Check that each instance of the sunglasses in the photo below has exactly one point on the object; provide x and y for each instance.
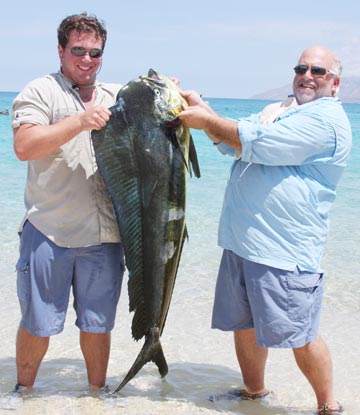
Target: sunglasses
(315, 70)
(80, 51)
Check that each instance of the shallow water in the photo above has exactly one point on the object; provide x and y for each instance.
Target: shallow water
(201, 361)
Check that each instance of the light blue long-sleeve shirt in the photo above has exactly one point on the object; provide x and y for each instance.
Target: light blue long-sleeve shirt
(278, 197)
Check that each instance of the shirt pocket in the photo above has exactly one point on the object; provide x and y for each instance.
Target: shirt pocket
(304, 293)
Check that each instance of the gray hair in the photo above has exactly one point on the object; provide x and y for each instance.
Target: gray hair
(337, 67)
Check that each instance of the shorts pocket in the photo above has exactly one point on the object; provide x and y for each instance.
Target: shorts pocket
(23, 279)
(304, 293)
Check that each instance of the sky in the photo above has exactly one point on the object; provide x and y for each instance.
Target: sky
(221, 48)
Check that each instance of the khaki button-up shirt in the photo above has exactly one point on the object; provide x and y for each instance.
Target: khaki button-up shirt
(65, 196)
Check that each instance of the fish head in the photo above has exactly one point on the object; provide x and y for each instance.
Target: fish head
(167, 101)
(154, 95)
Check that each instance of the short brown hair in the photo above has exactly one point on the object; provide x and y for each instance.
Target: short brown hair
(81, 23)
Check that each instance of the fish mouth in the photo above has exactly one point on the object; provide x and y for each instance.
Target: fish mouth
(154, 75)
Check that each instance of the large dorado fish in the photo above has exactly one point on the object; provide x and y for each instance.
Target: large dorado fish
(143, 155)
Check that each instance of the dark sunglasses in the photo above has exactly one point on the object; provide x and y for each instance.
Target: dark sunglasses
(80, 51)
(315, 70)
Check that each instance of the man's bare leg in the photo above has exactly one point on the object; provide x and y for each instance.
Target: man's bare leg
(30, 351)
(252, 360)
(96, 351)
(315, 362)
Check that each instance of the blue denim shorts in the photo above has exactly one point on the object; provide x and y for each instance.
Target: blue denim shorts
(282, 306)
(47, 273)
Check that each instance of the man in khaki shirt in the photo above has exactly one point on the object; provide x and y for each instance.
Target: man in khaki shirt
(69, 235)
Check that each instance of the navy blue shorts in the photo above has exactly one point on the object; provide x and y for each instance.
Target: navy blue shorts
(46, 274)
(283, 306)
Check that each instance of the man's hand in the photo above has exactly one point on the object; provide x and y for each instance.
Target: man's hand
(199, 115)
(33, 141)
(95, 118)
(196, 112)
(195, 117)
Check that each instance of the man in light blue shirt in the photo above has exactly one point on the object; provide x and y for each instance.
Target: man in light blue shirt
(289, 162)
(274, 222)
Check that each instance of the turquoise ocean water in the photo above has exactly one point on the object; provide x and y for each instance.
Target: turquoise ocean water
(201, 361)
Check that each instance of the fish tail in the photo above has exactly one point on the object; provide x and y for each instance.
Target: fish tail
(150, 352)
(159, 360)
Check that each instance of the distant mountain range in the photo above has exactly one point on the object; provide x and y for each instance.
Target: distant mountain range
(349, 91)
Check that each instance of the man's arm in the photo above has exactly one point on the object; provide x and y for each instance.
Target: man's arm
(199, 115)
(32, 142)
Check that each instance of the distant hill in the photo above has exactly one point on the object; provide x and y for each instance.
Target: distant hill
(349, 91)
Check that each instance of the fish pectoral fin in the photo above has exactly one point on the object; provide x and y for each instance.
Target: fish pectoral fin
(176, 144)
(193, 158)
(150, 352)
